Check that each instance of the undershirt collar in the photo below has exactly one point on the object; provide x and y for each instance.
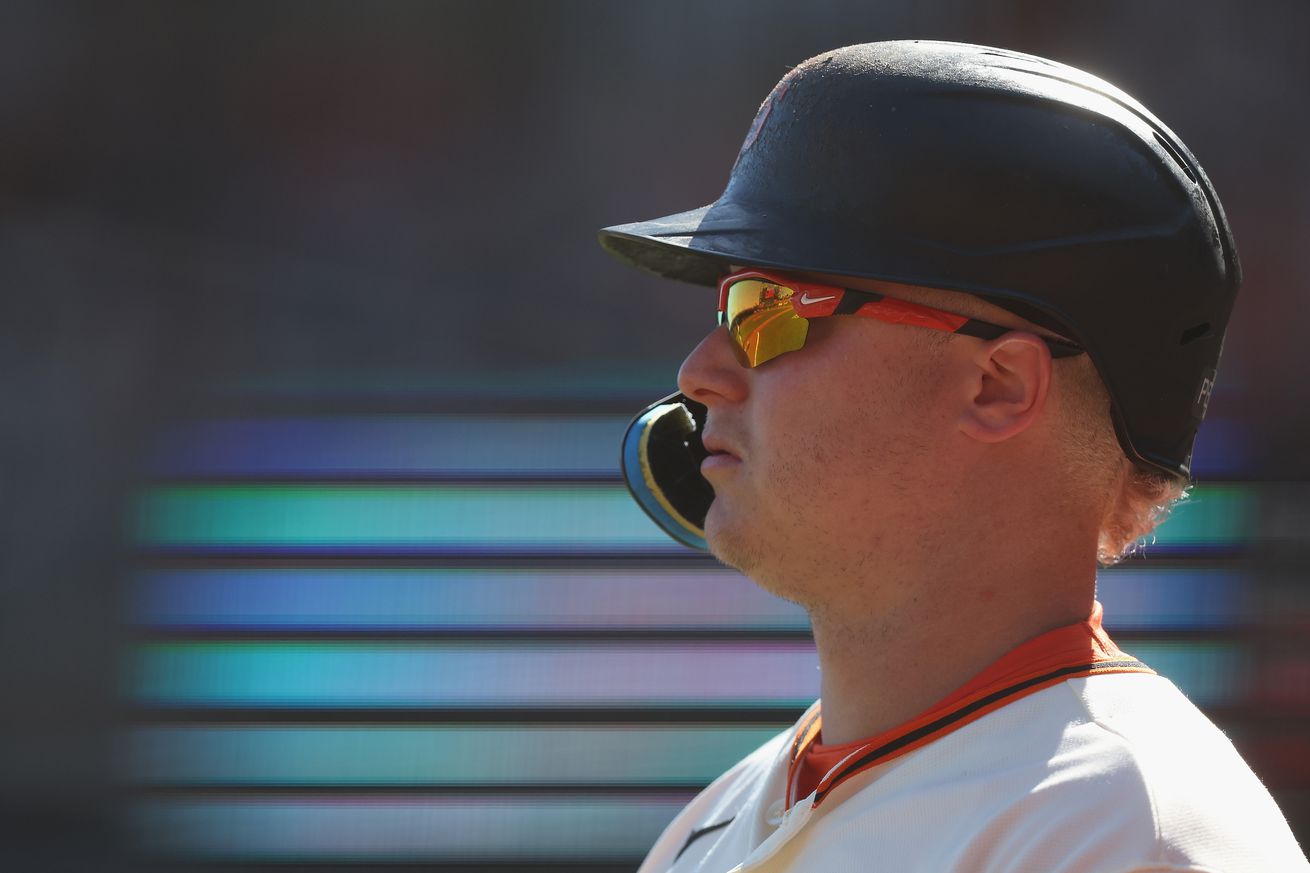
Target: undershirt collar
(1069, 652)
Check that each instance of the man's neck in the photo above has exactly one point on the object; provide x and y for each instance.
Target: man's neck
(880, 669)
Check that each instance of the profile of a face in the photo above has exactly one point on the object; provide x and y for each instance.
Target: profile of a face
(824, 454)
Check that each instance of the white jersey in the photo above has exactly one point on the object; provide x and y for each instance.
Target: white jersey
(1105, 773)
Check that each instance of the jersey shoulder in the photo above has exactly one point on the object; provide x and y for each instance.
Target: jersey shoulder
(1206, 807)
(1107, 774)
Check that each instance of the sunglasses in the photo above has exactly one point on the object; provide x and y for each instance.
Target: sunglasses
(768, 315)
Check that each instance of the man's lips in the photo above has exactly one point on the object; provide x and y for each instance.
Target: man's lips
(714, 446)
(718, 448)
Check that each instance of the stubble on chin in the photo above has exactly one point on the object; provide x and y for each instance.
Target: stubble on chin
(729, 543)
(725, 543)
(761, 562)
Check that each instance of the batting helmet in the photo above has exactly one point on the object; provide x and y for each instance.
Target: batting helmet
(1028, 183)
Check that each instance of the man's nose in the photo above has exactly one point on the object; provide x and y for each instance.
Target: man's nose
(711, 373)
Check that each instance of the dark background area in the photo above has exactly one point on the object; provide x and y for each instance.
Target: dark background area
(209, 205)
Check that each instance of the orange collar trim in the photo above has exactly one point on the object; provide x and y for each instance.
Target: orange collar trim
(1070, 652)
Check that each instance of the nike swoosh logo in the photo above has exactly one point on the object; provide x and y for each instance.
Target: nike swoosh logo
(696, 835)
(807, 299)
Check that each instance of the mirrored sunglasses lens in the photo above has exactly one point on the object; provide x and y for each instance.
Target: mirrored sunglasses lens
(762, 322)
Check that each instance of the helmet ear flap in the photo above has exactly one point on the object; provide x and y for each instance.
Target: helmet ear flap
(661, 457)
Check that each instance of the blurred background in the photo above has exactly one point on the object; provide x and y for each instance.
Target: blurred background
(315, 552)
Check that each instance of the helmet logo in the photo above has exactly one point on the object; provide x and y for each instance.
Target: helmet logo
(765, 108)
(1202, 402)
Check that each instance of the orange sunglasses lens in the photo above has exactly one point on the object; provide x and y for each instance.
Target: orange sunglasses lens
(762, 321)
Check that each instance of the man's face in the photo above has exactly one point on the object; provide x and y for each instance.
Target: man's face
(828, 454)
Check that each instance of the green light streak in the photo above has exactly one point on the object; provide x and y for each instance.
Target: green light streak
(291, 516)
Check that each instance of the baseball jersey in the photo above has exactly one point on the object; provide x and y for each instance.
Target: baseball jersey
(1064, 756)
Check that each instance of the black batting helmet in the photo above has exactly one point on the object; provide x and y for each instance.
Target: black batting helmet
(1028, 183)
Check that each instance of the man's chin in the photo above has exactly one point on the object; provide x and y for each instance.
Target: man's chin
(728, 542)
(762, 561)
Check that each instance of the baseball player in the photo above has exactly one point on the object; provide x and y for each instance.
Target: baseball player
(971, 304)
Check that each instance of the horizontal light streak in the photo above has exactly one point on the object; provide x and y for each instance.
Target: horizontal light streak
(538, 385)
(482, 755)
(462, 598)
(1191, 598)
(504, 518)
(498, 674)
(341, 674)
(377, 518)
(438, 599)
(377, 829)
(1213, 516)
(1210, 674)
(393, 445)
(438, 444)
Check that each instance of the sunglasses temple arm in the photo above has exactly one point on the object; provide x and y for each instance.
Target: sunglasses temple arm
(985, 330)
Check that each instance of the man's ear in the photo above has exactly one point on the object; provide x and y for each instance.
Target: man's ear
(1007, 389)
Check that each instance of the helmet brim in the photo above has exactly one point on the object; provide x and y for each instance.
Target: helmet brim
(700, 245)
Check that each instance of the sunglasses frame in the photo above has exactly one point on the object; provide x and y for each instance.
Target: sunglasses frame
(836, 300)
